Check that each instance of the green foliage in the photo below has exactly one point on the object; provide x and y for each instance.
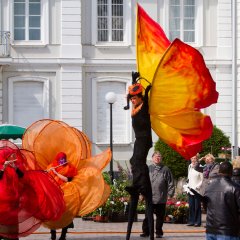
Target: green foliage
(177, 210)
(178, 164)
(119, 198)
(182, 197)
(214, 144)
(107, 177)
(181, 213)
(141, 205)
(170, 208)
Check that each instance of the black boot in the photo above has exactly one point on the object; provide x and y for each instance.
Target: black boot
(19, 173)
(1, 176)
(63, 234)
(53, 234)
(132, 213)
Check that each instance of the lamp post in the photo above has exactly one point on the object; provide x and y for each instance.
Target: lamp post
(111, 99)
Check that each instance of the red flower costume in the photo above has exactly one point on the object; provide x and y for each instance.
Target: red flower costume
(24, 198)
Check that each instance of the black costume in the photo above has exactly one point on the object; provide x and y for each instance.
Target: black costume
(141, 180)
(143, 142)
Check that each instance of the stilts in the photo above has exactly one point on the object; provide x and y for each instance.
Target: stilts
(133, 210)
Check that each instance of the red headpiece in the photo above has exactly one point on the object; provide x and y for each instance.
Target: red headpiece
(135, 89)
(61, 158)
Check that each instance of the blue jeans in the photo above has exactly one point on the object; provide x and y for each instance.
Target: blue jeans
(195, 213)
(220, 237)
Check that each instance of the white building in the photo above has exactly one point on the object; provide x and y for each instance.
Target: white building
(63, 56)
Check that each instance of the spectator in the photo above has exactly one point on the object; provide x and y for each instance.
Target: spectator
(222, 198)
(195, 179)
(236, 170)
(209, 170)
(162, 187)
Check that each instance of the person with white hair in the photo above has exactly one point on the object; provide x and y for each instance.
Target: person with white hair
(162, 183)
(210, 170)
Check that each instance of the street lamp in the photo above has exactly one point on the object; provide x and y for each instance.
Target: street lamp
(111, 99)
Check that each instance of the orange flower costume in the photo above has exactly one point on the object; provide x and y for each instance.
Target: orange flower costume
(87, 190)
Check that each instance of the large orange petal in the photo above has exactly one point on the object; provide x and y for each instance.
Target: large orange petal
(99, 161)
(184, 131)
(151, 44)
(48, 137)
(182, 81)
(181, 86)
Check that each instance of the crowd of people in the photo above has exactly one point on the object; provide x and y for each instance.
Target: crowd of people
(213, 186)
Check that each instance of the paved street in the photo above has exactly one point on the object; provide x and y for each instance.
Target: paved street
(86, 230)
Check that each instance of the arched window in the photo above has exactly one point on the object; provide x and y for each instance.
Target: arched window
(122, 128)
(28, 100)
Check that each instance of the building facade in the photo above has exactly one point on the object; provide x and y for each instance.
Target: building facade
(59, 58)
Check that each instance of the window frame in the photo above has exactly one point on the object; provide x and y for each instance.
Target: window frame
(95, 82)
(12, 80)
(44, 24)
(127, 27)
(198, 22)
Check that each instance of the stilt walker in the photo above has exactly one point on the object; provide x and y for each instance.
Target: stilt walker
(181, 85)
(143, 142)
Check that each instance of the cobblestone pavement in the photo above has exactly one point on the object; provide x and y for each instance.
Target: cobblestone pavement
(86, 230)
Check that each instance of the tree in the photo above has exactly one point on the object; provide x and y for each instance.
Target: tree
(215, 143)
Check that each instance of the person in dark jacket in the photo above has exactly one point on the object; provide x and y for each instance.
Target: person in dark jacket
(236, 170)
(143, 142)
(222, 198)
(162, 187)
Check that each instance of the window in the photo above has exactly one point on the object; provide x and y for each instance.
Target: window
(30, 21)
(182, 20)
(27, 19)
(27, 106)
(101, 111)
(111, 21)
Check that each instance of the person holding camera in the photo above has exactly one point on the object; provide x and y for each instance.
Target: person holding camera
(195, 179)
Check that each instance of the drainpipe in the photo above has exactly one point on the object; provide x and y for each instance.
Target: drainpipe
(234, 80)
